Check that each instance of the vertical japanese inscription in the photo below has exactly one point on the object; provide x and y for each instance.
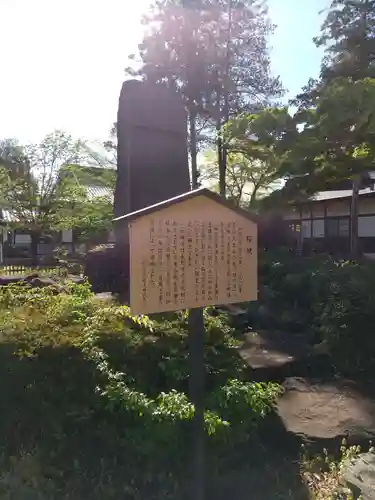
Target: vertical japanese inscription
(192, 263)
(190, 244)
(197, 264)
(168, 277)
(175, 290)
(216, 262)
(144, 281)
(160, 262)
(234, 256)
(182, 264)
(228, 260)
(152, 253)
(210, 276)
(240, 259)
(202, 256)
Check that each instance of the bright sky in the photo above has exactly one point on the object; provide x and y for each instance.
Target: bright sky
(62, 61)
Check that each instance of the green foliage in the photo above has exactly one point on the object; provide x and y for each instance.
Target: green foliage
(85, 379)
(345, 124)
(332, 301)
(264, 140)
(89, 176)
(34, 195)
(247, 179)
(335, 113)
(261, 135)
(347, 35)
(189, 49)
(46, 190)
(323, 473)
(242, 404)
(209, 52)
(12, 154)
(331, 142)
(93, 219)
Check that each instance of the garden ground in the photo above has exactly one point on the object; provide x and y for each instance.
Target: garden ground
(93, 401)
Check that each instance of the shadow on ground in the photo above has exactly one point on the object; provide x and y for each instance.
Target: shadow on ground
(59, 443)
(268, 470)
(317, 406)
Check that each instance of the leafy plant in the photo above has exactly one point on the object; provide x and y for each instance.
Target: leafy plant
(81, 378)
(323, 473)
(329, 301)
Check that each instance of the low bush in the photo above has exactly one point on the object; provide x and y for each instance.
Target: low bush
(106, 270)
(323, 473)
(93, 401)
(331, 301)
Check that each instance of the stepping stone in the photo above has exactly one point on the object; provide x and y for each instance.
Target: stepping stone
(314, 409)
(273, 349)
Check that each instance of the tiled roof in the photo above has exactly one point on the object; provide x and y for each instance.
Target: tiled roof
(7, 216)
(342, 193)
(99, 192)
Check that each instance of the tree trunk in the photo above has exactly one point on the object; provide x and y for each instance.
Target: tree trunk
(193, 150)
(253, 197)
(224, 153)
(73, 242)
(220, 160)
(35, 237)
(222, 169)
(354, 218)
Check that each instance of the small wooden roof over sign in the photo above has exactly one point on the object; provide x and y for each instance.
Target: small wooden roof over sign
(184, 197)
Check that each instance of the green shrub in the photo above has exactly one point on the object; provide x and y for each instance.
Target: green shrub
(347, 318)
(96, 396)
(106, 270)
(329, 301)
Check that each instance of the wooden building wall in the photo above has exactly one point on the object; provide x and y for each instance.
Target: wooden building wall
(326, 224)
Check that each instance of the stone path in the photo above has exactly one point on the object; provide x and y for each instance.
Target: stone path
(315, 406)
(272, 350)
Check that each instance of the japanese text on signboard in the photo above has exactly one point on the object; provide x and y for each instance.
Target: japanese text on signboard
(195, 263)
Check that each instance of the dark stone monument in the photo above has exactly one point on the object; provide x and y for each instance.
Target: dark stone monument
(152, 162)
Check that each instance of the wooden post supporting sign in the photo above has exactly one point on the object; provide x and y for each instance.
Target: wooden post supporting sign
(196, 390)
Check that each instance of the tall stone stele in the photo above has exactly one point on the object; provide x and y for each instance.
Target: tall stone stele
(152, 163)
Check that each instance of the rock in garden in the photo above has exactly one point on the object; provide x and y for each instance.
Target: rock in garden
(359, 474)
(42, 282)
(317, 409)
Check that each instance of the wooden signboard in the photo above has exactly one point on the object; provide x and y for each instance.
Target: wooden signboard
(191, 251)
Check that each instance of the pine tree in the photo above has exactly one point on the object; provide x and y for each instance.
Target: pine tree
(215, 54)
(348, 33)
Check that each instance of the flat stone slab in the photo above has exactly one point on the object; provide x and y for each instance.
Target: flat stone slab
(104, 296)
(273, 349)
(326, 410)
